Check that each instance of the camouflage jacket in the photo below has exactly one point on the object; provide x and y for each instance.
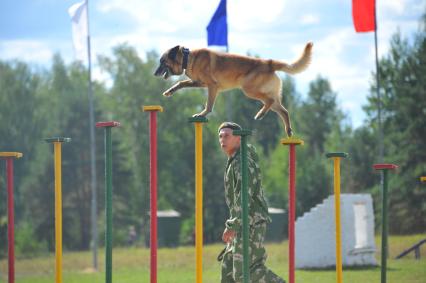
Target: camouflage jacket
(258, 209)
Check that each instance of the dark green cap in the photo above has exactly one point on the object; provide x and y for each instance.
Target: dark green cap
(230, 125)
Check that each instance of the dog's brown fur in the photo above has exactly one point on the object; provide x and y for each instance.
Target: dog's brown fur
(222, 71)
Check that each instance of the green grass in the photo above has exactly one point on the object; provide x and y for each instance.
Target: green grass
(131, 265)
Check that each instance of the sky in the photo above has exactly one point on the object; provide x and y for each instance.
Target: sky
(34, 30)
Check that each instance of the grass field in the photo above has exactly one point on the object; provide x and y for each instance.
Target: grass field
(131, 265)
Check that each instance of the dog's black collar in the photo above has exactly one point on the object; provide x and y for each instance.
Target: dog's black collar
(185, 52)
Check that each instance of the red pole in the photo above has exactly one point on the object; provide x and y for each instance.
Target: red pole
(291, 142)
(292, 211)
(153, 186)
(10, 212)
(11, 220)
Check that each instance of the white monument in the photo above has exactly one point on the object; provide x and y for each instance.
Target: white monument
(316, 238)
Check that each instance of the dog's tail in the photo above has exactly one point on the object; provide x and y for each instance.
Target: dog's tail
(298, 66)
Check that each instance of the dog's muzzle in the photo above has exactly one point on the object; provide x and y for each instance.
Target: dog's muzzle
(163, 71)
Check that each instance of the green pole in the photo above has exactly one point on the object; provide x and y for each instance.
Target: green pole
(108, 197)
(244, 202)
(385, 168)
(108, 201)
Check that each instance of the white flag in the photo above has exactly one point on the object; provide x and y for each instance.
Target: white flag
(78, 14)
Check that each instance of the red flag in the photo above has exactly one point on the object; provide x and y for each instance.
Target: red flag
(363, 14)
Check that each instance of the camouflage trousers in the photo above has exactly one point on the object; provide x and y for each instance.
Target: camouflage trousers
(232, 262)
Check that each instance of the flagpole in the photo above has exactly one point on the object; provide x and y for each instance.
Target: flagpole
(229, 110)
(92, 151)
(229, 104)
(379, 102)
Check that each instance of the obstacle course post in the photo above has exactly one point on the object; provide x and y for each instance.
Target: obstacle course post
(291, 142)
(57, 147)
(9, 156)
(198, 124)
(244, 202)
(385, 169)
(153, 109)
(336, 160)
(108, 196)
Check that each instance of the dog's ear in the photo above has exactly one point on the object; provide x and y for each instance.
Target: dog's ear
(173, 52)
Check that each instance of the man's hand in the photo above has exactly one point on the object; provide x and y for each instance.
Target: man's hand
(228, 235)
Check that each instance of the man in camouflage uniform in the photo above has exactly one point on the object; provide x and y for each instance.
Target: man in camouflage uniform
(232, 258)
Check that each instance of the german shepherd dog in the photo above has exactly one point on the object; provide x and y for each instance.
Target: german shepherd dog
(222, 71)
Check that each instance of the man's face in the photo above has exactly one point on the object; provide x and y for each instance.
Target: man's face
(228, 142)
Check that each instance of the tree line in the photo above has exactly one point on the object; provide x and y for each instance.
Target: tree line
(37, 103)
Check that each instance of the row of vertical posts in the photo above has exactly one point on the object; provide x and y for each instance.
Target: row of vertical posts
(198, 121)
(57, 147)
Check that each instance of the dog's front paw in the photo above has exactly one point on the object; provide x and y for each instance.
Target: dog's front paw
(289, 132)
(201, 114)
(259, 116)
(168, 93)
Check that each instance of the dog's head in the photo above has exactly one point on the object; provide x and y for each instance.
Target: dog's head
(170, 63)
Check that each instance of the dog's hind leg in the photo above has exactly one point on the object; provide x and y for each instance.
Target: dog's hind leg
(283, 113)
(210, 102)
(262, 112)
